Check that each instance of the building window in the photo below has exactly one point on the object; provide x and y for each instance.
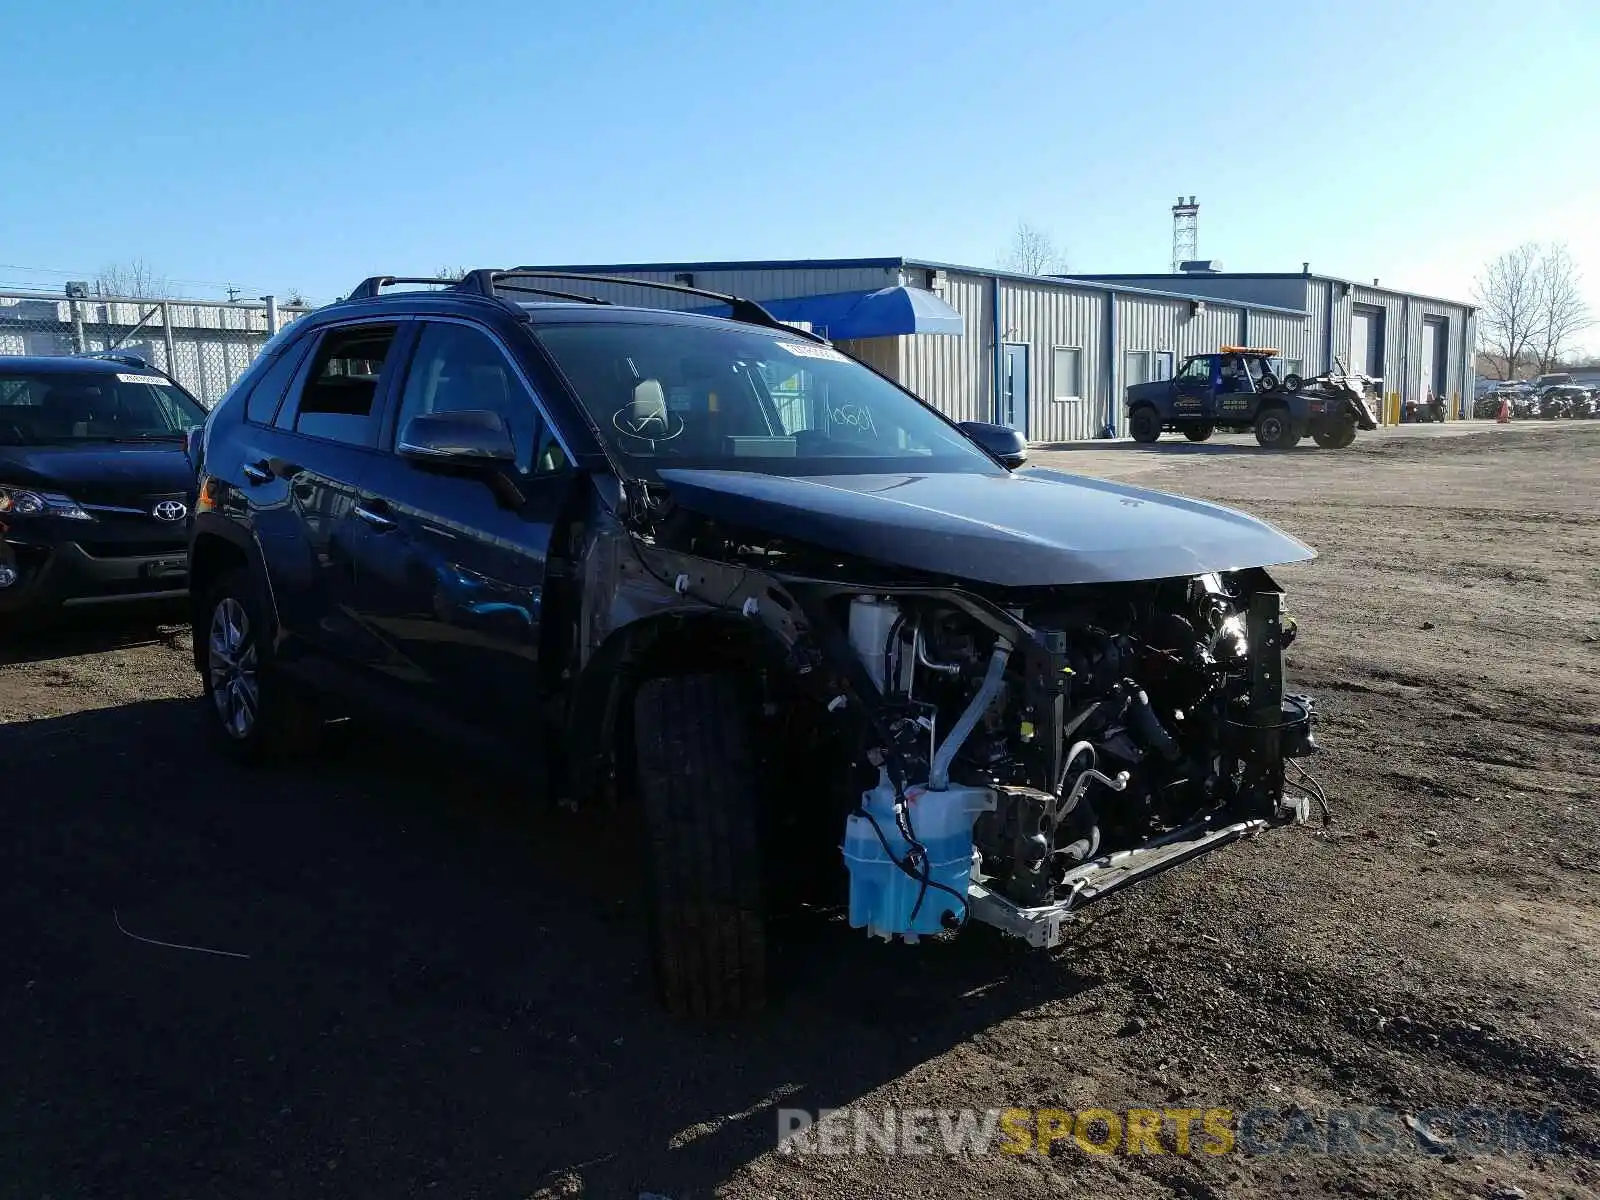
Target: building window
(1291, 366)
(1136, 367)
(1163, 365)
(1066, 373)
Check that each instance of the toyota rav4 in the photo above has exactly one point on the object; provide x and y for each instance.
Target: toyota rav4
(95, 482)
(711, 569)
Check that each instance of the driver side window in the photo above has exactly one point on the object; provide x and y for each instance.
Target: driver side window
(1199, 368)
(456, 368)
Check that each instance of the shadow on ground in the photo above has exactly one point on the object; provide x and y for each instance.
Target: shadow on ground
(445, 984)
(32, 639)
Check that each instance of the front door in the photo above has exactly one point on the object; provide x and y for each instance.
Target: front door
(1014, 387)
(451, 576)
(1193, 392)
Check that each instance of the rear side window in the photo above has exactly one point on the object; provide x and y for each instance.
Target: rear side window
(340, 390)
(267, 394)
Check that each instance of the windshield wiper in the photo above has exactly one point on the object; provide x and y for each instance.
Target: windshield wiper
(148, 437)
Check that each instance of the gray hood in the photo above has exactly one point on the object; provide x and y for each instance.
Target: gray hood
(1036, 527)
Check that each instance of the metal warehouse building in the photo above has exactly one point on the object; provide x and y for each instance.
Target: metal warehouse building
(1052, 356)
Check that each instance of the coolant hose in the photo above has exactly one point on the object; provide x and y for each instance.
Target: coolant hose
(939, 773)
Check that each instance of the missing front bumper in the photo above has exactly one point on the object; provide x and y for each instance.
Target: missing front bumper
(1044, 926)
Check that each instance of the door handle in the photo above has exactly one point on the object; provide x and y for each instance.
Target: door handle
(373, 515)
(257, 472)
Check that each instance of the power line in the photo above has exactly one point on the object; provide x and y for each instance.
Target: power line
(214, 283)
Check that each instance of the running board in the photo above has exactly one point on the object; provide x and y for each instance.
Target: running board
(1042, 926)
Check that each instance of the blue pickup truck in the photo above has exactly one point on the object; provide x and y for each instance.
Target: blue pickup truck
(1236, 388)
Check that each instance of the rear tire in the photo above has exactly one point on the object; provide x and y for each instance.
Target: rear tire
(1336, 437)
(1145, 425)
(1199, 433)
(697, 783)
(253, 714)
(1275, 431)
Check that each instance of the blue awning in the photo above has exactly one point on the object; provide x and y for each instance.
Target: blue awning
(886, 312)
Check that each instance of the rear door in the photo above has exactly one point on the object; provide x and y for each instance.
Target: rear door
(451, 575)
(301, 474)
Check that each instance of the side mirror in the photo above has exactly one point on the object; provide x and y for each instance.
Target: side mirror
(1005, 443)
(472, 438)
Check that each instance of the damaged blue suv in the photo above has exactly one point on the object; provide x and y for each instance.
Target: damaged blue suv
(705, 566)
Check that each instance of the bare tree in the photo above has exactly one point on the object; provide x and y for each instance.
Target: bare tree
(450, 273)
(135, 278)
(1507, 295)
(1032, 251)
(1562, 312)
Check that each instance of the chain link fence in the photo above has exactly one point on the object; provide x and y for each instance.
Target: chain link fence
(203, 344)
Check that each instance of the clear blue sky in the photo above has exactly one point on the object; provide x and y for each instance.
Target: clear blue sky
(304, 145)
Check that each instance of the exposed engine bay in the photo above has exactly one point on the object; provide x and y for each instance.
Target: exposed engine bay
(1003, 751)
(1113, 731)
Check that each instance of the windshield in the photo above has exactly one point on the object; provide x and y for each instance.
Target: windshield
(51, 407)
(670, 395)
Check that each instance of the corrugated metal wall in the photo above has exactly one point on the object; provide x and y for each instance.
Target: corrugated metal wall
(956, 373)
(1044, 317)
(881, 353)
(1296, 337)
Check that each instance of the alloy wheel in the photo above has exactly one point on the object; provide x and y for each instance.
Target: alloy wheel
(231, 663)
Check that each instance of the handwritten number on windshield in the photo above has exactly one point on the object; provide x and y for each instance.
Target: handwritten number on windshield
(856, 416)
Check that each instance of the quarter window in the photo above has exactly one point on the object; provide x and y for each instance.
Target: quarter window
(266, 394)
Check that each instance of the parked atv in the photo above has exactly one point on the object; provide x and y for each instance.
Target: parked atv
(1237, 389)
(1556, 402)
(1563, 400)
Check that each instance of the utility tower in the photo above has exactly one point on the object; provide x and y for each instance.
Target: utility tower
(1185, 231)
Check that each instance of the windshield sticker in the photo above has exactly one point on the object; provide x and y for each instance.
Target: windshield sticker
(680, 399)
(154, 380)
(812, 350)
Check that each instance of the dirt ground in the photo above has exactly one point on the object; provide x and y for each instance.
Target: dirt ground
(443, 997)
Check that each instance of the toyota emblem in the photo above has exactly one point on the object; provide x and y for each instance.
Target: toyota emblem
(170, 510)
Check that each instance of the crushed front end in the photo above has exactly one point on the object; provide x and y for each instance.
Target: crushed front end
(1041, 750)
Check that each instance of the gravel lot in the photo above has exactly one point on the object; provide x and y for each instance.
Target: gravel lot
(444, 993)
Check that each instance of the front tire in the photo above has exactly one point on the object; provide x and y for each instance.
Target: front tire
(1275, 431)
(1145, 425)
(698, 786)
(252, 714)
(1199, 433)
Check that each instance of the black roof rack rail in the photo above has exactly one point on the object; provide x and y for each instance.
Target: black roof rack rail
(487, 282)
(374, 284)
(746, 311)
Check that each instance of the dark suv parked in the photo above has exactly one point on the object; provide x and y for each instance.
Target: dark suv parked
(95, 482)
(712, 567)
